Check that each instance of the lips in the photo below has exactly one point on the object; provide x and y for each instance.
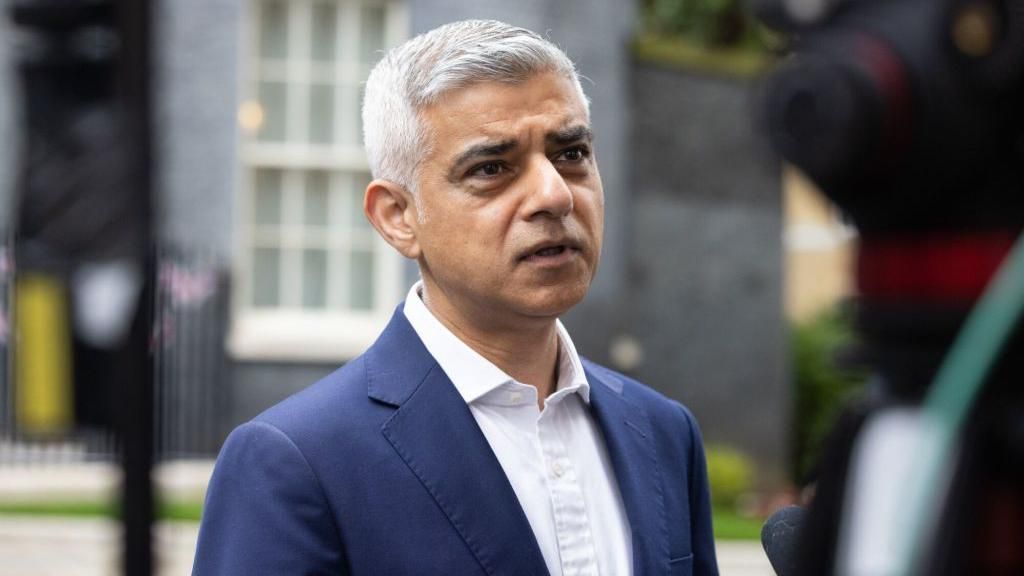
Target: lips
(550, 249)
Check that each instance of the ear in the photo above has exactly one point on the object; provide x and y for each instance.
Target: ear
(392, 211)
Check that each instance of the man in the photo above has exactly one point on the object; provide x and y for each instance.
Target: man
(471, 438)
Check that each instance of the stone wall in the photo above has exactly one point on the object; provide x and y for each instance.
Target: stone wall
(704, 297)
(10, 118)
(196, 80)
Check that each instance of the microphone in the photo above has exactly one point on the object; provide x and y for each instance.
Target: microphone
(779, 538)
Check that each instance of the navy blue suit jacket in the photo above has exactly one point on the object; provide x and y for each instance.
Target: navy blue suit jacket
(380, 469)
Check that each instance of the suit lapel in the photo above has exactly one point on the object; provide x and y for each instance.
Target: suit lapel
(434, 432)
(630, 442)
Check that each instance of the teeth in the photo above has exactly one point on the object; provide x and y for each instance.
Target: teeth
(550, 251)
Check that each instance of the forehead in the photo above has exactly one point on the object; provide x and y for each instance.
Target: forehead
(498, 110)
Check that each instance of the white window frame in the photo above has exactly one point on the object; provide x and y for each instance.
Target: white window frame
(296, 334)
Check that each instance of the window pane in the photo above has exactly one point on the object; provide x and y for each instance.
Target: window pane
(314, 278)
(266, 273)
(323, 27)
(321, 113)
(371, 36)
(316, 199)
(361, 280)
(273, 30)
(267, 204)
(352, 132)
(357, 219)
(272, 98)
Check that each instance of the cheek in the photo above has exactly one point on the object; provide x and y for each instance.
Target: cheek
(591, 209)
(465, 249)
(469, 236)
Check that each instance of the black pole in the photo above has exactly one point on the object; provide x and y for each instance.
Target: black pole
(85, 208)
(136, 426)
(137, 385)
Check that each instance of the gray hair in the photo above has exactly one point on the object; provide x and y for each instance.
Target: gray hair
(419, 72)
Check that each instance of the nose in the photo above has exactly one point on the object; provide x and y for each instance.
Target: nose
(549, 194)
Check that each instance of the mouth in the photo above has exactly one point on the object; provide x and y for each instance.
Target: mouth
(551, 252)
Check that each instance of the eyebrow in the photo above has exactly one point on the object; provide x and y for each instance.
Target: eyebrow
(570, 134)
(483, 150)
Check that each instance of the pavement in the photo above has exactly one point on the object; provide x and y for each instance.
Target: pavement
(39, 546)
(97, 481)
(47, 546)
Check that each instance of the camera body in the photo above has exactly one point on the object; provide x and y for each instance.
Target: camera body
(897, 107)
(909, 116)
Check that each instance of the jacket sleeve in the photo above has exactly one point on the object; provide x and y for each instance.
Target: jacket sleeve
(704, 561)
(265, 511)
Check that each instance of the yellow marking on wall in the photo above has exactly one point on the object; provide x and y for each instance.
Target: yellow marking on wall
(44, 393)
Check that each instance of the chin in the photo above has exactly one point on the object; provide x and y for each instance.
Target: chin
(554, 301)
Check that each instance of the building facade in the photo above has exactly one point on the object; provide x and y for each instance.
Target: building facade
(261, 172)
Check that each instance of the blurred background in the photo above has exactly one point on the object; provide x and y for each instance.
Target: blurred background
(722, 281)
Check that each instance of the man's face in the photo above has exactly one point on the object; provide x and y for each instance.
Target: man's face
(510, 205)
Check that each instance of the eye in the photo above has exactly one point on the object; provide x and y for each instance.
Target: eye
(488, 169)
(575, 154)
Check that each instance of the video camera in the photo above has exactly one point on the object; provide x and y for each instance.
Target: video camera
(909, 115)
(897, 107)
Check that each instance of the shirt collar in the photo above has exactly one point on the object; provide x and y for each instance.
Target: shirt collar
(475, 376)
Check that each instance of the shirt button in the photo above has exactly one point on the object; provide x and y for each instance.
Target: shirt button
(557, 469)
(515, 397)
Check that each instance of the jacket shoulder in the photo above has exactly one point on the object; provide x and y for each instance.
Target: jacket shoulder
(656, 404)
(338, 400)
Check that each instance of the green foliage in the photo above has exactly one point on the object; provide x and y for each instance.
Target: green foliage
(730, 474)
(715, 36)
(76, 509)
(728, 525)
(180, 510)
(165, 510)
(822, 385)
(682, 53)
(709, 23)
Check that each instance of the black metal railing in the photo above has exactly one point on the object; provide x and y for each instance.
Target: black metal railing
(190, 377)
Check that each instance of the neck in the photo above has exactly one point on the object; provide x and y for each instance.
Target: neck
(526, 350)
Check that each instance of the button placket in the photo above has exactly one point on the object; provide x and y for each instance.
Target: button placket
(572, 525)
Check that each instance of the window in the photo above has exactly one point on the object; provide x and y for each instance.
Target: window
(315, 282)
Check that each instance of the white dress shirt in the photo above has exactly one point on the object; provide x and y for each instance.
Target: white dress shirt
(555, 458)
